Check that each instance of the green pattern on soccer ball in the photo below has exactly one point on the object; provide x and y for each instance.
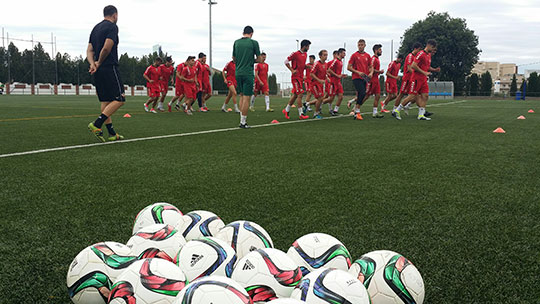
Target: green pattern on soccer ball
(114, 261)
(367, 269)
(341, 251)
(392, 276)
(95, 280)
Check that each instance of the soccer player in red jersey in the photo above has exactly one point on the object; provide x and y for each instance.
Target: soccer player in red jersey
(229, 76)
(335, 87)
(165, 72)
(362, 71)
(392, 76)
(152, 84)
(318, 75)
(406, 79)
(191, 83)
(308, 81)
(205, 82)
(199, 68)
(179, 88)
(261, 84)
(296, 63)
(374, 86)
(419, 86)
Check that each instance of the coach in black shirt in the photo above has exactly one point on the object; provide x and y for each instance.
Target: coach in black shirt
(102, 54)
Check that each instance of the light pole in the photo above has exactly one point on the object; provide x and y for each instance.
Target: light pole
(210, 3)
(297, 44)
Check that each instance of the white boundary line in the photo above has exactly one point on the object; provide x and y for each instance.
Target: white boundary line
(184, 134)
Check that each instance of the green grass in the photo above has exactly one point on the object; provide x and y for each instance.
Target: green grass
(460, 202)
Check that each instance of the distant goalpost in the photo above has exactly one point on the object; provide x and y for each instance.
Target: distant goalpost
(286, 89)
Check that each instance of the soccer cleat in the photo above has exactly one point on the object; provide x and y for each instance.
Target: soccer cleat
(177, 107)
(236, 111)
(188, 112)
(358, 116)
(153, 111)
(385, 111)
(206, 108)
(378, 115)
(223, 110)
(422, 117)
(203, 110)
(317, 116)
(161, 109)
(98, 133)
(146, 108)
(252, 109)
(116, 137)
(169, 108)
(397, 115)
(269, 110)
(428, 114)
(244, 126)
(286, 114)
(302, 117)
(309, 109)
(304, 107)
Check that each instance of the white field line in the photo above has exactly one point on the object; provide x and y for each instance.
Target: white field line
(184, 134)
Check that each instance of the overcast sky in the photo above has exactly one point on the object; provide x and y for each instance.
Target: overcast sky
(508, 29)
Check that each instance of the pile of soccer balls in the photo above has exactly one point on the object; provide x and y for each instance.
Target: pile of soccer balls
(196, 258)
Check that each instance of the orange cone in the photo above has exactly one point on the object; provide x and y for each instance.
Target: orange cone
(531, 111)
(521, 117)
(127, 116)
(229, 110)
(274, 121)
(352, 113)
(499, 130)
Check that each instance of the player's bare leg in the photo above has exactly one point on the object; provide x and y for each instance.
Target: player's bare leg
(252, 101)
(267, 102)
(161, 100)
(338, 104)
(376, 106)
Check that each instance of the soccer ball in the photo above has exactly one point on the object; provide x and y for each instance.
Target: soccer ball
(244, 237)
(328, 285)
(317, 250)
(267, 274)
(90, 275)
(199, 223)
(286, 301)
(213, 290)
(148, 281)
(206, 256)
(158, 240)
(158, 213)
(389, 278)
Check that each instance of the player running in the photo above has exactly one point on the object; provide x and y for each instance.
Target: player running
(392, 76)
(229, 77)
(335, 87)
(318, 75)
(191, 84)
(165, 71)
(245, 53)
(199, 68)
(406, 79)
(419, 86)
(374, 86)
(307, 81)
(362, 71)
(205, 82)
(296, 63)
(261, 84)
(178, 88)
(153, 86)
(102, 54)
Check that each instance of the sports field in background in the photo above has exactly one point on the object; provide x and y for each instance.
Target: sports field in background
(457, 200)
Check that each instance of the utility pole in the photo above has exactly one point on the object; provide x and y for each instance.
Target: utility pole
(8, 60)
(392, 50)
(210, 3)
(33, 63)
(55, 61)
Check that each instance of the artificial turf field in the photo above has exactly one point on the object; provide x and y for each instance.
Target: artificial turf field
(457, 200)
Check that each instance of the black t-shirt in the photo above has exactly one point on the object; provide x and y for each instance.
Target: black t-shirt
(103, 30)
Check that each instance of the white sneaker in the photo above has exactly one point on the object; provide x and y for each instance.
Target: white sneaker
(188, 112)
(422, 117)
(236, 111)
(146, 108)
(153, 111)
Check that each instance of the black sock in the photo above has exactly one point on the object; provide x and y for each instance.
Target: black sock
(199, 99)
(110, 128)
(100, 120)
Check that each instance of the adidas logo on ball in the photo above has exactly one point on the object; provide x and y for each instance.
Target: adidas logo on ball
(248, 266)
(195, 259)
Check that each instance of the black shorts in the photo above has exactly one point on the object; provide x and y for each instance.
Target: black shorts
(109, 86)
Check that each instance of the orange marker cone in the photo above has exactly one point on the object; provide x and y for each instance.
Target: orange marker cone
(531, 111)
(293, 106)
(127, 116)
(499, 130)
(352, 113)
(521, 117)
(274, 121)
(229, 110)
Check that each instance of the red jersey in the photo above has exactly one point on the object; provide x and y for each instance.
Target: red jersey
(189, 73)
(165, 72)
(423, 60)
(376, 64)
(199, 70)
(336, 66)
(319, 70)
(206, 73)
(262, 71)
(393, 69)
(230, 69)
(179, 69)
(298, 63)
(309, 66)
(360, 62)
(152, 72)
(408, 61)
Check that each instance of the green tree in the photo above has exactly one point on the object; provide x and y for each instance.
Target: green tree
(474, 85)
(533, 88)
(486, 84)
(457, 50)
(272, 84)
(219, 84)
(381, 83)
(513, 86)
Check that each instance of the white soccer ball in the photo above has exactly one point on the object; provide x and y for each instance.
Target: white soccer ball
(148, 281)
(156, 241)
(206, 256)
(213, 290)
(196, 224)
(328, 285)
(245, 236)
(94, 269)
(286, 301)
(267, 274)
(158, 213)
(317, 250)
(389, 278)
